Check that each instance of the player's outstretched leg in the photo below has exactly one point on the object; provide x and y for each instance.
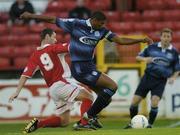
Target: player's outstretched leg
(31, 126)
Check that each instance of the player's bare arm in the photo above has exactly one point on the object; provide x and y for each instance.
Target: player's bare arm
(128, 41)
(144, 59)
(48, 19)
(173, 77)
(21, 83)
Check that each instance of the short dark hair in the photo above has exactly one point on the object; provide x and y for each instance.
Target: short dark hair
(167, 30)
(98, 15)
(45, 32)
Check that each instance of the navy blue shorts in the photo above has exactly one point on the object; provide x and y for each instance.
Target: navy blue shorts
(151, 83)
(85, 72)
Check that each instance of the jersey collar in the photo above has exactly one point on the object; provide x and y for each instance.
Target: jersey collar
(42, 47)
(89, 24)
(170, 46)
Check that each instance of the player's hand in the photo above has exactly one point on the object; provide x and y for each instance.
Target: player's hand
(148, 59)
(13, 96)
(171, 80)
(147, 40)
(26, 15)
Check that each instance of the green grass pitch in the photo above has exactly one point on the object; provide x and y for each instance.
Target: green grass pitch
(112, 126)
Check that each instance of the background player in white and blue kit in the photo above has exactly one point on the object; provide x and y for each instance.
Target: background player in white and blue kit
(85, 35)
(162, 65)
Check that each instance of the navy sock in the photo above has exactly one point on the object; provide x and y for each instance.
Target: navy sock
(133, 111)
(103, 100)
(152, 114)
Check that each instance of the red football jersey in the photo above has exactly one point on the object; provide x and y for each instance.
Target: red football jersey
(47, 60)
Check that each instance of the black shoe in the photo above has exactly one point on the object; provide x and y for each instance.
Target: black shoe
(79, 127)
(149, 126)
(31, 126)
(128, 126)
(95, 122)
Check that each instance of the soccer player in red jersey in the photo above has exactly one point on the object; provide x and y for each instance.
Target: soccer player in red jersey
(48, 58)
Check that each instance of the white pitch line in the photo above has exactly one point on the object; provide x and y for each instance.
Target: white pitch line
(174, 124)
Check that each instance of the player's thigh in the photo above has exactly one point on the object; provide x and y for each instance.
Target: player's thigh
(106, 81)
(64, 91)
(158, 88)
(136, 100)
(143, 87)
(65, 118)
(84, 94)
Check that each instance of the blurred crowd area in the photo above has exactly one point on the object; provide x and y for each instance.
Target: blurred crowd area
(18, 38)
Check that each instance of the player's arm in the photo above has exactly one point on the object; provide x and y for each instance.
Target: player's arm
(44, 18)
(176, 69)
(144, 56)
(60, 48)
(173, 77)
(30, 69)
(129, 41)
(144, 59)
(21, 83)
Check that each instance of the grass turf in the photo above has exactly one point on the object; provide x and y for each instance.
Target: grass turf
(113, 126)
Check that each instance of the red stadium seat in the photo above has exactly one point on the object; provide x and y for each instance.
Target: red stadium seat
(177, 25)
(113, 16)
(176, 36)
(160, 25)
(121, 27)
(24, 51)
(98, 4)
(63, 14)
(144, 26)
(37, 28)
(3, 29)
(171, 15)
(127, 59)
(6, 52)
(33, 39)
(142, 4)
(4, 63)
(173, 4)
(4, 17)
(155, 36)
(4, 40)
(152, 15)
(131, 16)
(56, 6)
(69, 4)
(19, 30)
(177, 46)
(20, 63)
(156, 4)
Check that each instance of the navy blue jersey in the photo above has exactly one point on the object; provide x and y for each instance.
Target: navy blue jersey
(83, 37)
(165, 61)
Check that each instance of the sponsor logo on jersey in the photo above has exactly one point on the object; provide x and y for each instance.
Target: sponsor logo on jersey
(96, 33)
(88, 40)
(161, 61)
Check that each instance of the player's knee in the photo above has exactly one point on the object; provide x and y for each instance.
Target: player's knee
(65, 122)
(155, 101)
(89, 97)
(114, 86)
(136, 100)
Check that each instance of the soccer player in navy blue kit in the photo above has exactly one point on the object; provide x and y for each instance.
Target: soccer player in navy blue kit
(85, 35)
(162, 65)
